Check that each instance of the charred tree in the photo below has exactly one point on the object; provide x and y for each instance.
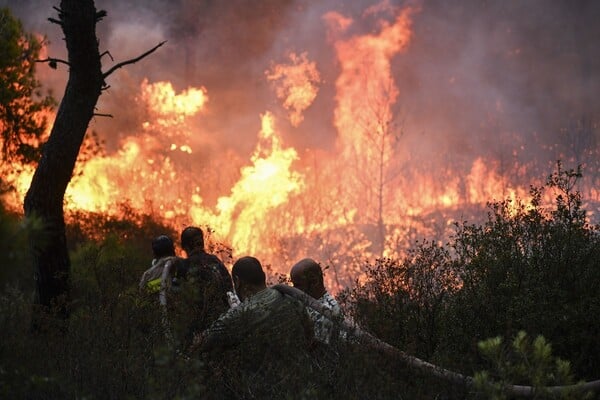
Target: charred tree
(45, 196)
(382, 133)
(44, 199)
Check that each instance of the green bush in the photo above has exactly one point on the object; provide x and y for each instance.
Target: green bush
(404, 301)
(528, 362)
(533, 269)
(15, 261)
(529, 268)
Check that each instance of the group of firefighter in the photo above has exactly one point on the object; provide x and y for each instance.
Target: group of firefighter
(251, 334)
(232, 310)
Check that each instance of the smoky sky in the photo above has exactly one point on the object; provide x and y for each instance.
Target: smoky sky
(478, 77)
(493, 74)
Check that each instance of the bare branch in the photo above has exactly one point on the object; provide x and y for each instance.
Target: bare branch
(103, 115)
(55, 21)
(133, 60)
(100, 14)
(61, 13)
(108, 54)
(53, 61)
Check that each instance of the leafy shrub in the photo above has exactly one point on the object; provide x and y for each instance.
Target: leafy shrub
(525, 361)
(529, 267)
(533, 269)
(403, 301)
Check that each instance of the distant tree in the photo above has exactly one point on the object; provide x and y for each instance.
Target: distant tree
(21, 100)
(381, 132)
(45, 196)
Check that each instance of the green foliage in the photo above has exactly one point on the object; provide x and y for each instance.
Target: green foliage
(525, 361)
(533, 269)
(530, 267)
(21, 125)
(402, 302)
(114, 346)
(15, 262)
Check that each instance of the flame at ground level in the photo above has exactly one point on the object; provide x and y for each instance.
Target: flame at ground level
(279, 209)
(362, 197)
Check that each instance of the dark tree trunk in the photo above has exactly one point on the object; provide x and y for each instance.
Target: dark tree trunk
(46, 194)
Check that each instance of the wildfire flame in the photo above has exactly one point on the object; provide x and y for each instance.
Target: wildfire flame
(263, 186)
(296, 84)
(169, 108)
(365, 79)
(320, 203)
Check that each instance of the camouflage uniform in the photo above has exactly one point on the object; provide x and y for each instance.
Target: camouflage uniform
(204, 282)
(324, 327)
(251, 347)
(267, 316)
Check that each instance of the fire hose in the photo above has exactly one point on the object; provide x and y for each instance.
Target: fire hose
(437, 371)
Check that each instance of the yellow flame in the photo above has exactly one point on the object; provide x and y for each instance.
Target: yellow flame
(296, 84)
(140, 172)
(242, 216)
(169, 108)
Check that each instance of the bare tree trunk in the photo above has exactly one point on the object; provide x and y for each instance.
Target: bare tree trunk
(45, 197)
(380, 188)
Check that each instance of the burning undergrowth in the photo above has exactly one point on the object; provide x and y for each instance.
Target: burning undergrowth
(343, 147)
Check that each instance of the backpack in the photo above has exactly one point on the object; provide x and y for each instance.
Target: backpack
(159, 278)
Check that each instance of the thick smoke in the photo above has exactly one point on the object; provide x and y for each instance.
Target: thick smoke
(490, 77)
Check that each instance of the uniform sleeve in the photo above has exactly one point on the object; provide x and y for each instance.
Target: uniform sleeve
(143, 280)
(221, 333)
(308, 326)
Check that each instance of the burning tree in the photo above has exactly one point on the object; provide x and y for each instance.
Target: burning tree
(364, 116)
(45, 196)
(381, 132)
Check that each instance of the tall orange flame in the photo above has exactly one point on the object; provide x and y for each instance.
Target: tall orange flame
(366, 79)
(242, 217)
(281, 204)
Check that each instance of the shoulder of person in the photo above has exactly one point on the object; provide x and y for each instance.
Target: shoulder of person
(214, 259)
